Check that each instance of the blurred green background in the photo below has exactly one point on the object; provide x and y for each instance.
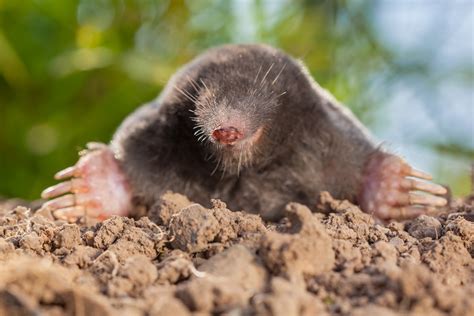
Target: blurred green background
(70, 71)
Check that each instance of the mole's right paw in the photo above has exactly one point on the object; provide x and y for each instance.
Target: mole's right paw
(97, 188)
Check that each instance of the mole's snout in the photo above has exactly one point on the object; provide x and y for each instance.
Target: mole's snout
(227, 135)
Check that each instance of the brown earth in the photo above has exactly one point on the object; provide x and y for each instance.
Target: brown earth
(185, 259)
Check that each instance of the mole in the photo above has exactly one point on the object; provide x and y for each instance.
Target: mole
(248, 125)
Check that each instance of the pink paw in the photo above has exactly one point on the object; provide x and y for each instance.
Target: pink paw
(387, 192)
(97, 188)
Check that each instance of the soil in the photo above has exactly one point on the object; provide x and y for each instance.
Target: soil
(185, 259)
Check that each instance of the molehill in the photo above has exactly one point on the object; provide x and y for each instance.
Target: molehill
(184, 259)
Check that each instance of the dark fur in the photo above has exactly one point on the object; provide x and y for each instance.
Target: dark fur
(310, 142)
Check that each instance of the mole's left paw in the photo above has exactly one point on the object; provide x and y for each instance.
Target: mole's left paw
(387, 189)
(96, 188)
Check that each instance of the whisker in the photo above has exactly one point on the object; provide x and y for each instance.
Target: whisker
(224, 170)
(209, 156)
(266, 74)
(198, 132)
(278, 75)
(252, 92)
(258, 72)
(217, 166)
(204, 84)
(240, 161)
(186, 94)
(284, 92)
(193, 83)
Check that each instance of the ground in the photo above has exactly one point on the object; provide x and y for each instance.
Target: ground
(185, 259)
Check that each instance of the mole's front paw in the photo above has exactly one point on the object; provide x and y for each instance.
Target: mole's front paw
(387, 190)
(97, 188)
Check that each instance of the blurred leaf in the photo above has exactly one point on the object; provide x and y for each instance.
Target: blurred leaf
(11, 66)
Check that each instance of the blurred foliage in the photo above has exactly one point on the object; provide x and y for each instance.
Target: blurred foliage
(70, 71)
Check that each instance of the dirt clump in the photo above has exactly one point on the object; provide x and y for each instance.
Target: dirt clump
(182, 259)
(304, 249)
(424, 227)
(226, 281)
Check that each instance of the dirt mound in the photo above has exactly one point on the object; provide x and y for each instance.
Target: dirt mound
(184, 258)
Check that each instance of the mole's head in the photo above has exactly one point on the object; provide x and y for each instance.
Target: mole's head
(236, 105)
(232, 123)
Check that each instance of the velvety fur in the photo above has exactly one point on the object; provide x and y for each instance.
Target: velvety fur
(308, 141)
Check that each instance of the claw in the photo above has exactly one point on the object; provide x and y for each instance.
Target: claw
(412, 172)
(66, 173)
(74, 185)
(60, 202)
(427, 200)
(92, 146)
(95, 145)
(400, 213)
(57, 190)
(69, 213)
(409, 212)
(397, 198)
(433, 188)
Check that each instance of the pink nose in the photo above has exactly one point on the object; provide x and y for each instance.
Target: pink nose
(227, 135)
